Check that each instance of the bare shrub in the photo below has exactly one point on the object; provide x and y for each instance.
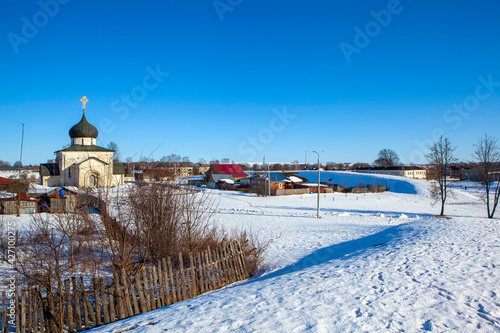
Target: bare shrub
(254, 250)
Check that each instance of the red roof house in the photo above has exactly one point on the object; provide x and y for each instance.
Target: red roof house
(5, 181)
(234, 170)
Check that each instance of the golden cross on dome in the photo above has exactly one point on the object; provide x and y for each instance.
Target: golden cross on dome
(84, 101)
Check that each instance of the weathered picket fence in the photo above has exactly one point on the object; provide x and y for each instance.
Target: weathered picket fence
(75, 308)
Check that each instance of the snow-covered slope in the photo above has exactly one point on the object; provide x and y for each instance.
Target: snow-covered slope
(372, 263)
(352, 179)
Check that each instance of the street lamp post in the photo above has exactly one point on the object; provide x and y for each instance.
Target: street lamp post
(318, 180)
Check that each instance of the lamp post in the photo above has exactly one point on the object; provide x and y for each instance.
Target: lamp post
(318, 180)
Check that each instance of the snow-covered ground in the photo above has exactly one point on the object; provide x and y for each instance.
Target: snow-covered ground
(372, 262)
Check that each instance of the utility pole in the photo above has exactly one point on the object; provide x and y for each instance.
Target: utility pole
(318, 180)
(265, 180)
(269, 179)
(21, 155)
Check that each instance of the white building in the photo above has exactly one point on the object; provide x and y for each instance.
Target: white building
(410, 171)
(83, 164)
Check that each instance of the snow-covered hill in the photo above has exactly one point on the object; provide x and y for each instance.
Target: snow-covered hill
(373, 262)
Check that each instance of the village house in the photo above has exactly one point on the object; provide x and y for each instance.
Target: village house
(9, 204)
(233, 170)
(409, 171)
(154, 175)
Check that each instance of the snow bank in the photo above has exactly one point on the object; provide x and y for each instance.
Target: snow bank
(352, 179)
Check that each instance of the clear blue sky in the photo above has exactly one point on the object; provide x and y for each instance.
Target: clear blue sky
(234, 65)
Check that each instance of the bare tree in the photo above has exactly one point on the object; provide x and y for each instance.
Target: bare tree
(487, 154)
(114, 146)
(19, 187)
(440, 157)
(387, 157)
(197, 228)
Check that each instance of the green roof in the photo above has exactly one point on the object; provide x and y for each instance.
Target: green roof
(85, 148)
(49, 169)
(83, 129)
(118, 169)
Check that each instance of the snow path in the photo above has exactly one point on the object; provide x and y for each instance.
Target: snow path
(372, 263)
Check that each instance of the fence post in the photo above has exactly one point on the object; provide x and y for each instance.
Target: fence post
(23, 310)
(218, 265)
(229, 265)
(118, 296)
(142, 301)
(104, 301)
(172, 283)
(146, 289)
(34, 310)
(162, 285)
(200, 273)
(125, 287)
(157, 287)
(97, 303)
(87, 308)
(77, 305)
(183, 277)
(4, 311)
(194, 285)
(237, 263)
(69, 307)
(112, 314)
(165, 282)
(151, 288)
(30, 310)
(241, 250)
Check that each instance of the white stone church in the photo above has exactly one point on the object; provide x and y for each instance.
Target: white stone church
(83, 164)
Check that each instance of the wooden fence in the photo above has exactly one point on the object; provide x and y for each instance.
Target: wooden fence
(76, 308)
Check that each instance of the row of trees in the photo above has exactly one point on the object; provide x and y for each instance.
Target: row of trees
(487, 155)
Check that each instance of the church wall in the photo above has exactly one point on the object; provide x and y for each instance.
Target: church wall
(51, 181)
(75, 174)
(118, 180)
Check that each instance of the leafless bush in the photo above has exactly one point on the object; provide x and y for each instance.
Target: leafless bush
(144, 225)
(254, 250)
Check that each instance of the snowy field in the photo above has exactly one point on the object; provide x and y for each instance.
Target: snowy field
(372, 263)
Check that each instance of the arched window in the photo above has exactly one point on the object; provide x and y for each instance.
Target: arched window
(93, 180)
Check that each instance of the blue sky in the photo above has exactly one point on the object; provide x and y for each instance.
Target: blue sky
(242, 79)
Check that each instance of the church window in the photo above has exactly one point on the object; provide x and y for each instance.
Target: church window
(69, 172)
(93, 180)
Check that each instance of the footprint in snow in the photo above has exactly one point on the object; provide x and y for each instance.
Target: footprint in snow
(427, 326)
